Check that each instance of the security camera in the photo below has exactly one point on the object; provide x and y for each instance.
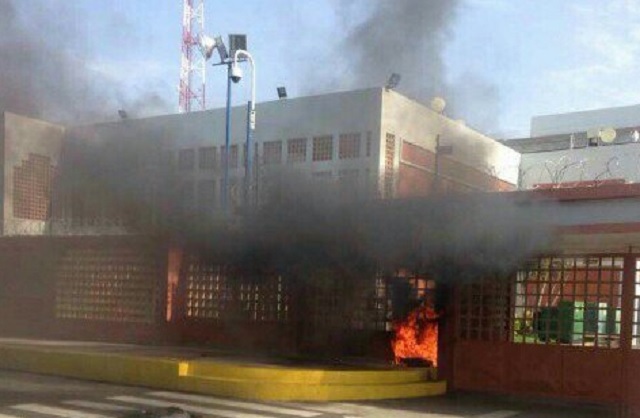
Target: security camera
(236, 73)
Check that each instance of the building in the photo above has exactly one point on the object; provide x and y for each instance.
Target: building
(569, 148)
(30, 152)
(375, 141)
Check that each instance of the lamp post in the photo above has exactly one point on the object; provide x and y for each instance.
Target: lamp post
(234, 74)
(251, 116)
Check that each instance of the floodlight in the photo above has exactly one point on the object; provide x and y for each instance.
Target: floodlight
(393, 81)
(208, 44)
(282, 92)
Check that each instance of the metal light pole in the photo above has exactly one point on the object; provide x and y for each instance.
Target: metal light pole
(227, 141)
(251, 121)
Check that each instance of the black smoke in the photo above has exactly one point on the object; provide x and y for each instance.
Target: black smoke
(45, 68)
(408, 37)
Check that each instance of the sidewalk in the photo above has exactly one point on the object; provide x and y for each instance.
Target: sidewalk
(214, 372)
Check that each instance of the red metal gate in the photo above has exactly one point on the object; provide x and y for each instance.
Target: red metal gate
(564, 327)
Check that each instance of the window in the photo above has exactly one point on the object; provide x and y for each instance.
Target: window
(187, 197)
(322, 175)
(368, 145)
(206, 196)
(233, 156)
(323, 148)
(186, 159)
(569, 300)
(484, 310)
(32, 183)
(389, 165)
(297, 150)
(348, 181)
(349, 146)
(272, 152)
(636, 308)
(207, 158)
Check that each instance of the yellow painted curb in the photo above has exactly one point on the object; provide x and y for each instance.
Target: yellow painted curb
(283, 374)
(266, 383)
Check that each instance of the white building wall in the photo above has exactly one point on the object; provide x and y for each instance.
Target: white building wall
(583, 164)
(413, 122)
(567, 123)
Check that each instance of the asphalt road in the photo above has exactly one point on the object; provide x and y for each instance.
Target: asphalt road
(36, 396)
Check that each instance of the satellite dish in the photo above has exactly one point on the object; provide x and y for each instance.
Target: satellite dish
(608, 135)
(438, 104)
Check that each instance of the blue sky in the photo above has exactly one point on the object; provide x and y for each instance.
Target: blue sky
(542, 56)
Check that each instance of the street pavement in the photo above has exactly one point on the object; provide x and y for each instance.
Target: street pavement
(35, 396)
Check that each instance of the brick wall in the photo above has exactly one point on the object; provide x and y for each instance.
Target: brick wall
(416, 175)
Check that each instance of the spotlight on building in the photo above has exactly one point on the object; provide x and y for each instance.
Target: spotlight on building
(123, 114)
(393, 81)
(282, 92)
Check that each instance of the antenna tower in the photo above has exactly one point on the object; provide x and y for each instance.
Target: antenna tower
(192, 68)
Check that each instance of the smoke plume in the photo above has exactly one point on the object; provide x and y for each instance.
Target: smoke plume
(45, 73)
(408, 37)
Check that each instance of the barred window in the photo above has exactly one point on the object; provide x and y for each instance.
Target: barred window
(348, 181)
(322, 175)
(187, 197)
(186, 159)
(206, 196)
(216, 293)
(272, 152)
(389, 166)
(349, 146)
(484, 310)
(636, 308)
(323, 148)
(207, 158)
(297, 150)
(569, 300)
(233, 155)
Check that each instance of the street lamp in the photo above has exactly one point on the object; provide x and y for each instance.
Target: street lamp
(207, 47)
(236, 74)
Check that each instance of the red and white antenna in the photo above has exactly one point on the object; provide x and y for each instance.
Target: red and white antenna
(192, 69)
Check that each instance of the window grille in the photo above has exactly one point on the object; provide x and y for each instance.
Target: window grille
(323, 148)
(186, 159)
(636, 308)
(208, 157)
(569, 300)
(216, 293)
(322, 175)
(272, 152)
(233, 156)
(206, 196)
(297, 150)
(112, 284)
(389, 166)
(32, 183)
(187, 197)
(484, 310)
(349, 146)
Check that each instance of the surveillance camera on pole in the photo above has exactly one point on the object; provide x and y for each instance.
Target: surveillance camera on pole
(236, 72)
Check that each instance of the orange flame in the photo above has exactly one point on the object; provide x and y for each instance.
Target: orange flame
(417, 336)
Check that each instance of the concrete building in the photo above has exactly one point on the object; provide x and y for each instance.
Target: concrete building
(374, 141)
(567, 148)
(29, 150)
